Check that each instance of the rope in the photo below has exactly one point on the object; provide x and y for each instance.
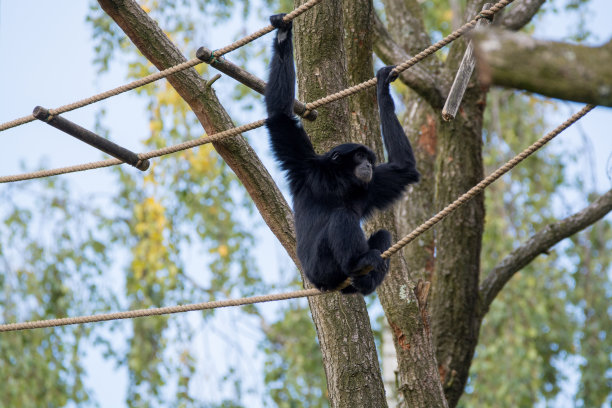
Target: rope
(142, 156)
(253, 125)
(161, 74)
(301, 9)
(414, 60)
(478, 188)
(307, 292)
(158, 311)
(17, 122)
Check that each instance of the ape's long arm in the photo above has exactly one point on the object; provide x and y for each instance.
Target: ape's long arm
(280, 89)
(391, 178)
(396, 142)
(290, 142)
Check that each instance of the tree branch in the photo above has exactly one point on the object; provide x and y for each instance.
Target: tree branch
(406, 24)
(558, 70)
(540, 243)
(237, 153)
(417, 381)
(428, 85)
(520, 14)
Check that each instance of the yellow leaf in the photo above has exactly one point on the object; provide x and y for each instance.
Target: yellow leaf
(156, 125)
(447, 15)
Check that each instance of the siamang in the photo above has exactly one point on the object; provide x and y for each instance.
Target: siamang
(333, 192)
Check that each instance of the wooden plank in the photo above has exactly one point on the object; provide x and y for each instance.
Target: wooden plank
(248, 79)
(455, 96)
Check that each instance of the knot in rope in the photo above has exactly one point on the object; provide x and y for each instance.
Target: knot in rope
(488, 14)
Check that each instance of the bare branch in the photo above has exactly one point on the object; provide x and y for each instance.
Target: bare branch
(520, 14)
(428, 85)
(540, 243)
(558, 70)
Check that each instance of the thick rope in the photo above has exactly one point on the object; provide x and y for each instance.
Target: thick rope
(17, 122)
(307, 292)
(301, 9)
(157, 311)
(259, 123)
(414, 60)
(153, 153)
(161, 74)
(478, 188)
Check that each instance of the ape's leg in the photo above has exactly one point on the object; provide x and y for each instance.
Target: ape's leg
(366, 284)
(348, 244)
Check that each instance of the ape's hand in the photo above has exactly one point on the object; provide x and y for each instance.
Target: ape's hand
(277, 22)
(385, 75)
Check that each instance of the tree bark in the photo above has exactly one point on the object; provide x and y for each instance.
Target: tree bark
(520, 15)
(450, 154)
(415, 261)
(418, 78)
(454, 297)
(342, 322)
(418, 380)
(555, 69)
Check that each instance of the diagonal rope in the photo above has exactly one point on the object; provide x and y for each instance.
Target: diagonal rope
(253, 125)
(307, 292)
(488, 14)
(159, 75)
(478, 188)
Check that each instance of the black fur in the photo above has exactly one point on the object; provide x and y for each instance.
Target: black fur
(329, 201)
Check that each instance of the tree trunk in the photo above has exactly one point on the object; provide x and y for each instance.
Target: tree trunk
(342, 322)
(418, 382)
(448, 157)
(344, 329)
(454, 301)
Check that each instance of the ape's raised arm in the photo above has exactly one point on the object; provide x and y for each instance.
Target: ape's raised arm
(280, 89)
(391, 178)
(396, 142)
(290, 143)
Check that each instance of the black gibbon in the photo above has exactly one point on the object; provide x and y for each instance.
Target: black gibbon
(333, 192)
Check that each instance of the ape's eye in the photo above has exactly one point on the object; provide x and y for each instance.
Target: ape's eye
(335, 156)
(360, 156)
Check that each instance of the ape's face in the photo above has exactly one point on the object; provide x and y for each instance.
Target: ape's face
(353, 159)
(363, 167)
